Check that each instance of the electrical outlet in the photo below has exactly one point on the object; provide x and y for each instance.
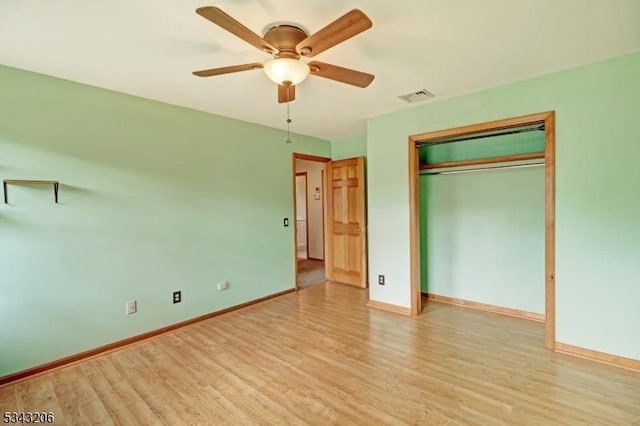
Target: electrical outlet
(132, 307)
(381, 279)
(177, 296)
(223, 285)
(286, 221)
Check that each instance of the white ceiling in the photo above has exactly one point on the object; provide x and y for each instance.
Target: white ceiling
(148, 48)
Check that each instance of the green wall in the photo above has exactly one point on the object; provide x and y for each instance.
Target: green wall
(598, 232)
(153, 198)
(355, 146)
(482, 237)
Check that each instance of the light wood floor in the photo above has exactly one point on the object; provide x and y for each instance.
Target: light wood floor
(322, 357)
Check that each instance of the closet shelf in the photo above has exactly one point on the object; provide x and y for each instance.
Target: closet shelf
(480, 161)
(55, 184)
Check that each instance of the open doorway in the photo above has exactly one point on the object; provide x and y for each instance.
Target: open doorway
(309, 208)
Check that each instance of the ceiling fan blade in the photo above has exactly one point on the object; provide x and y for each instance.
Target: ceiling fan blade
(220, 18)
(348, 25)
(286, 93)
(227, 70)
(343, 75)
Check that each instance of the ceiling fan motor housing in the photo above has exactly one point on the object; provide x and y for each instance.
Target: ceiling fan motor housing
(285, 38)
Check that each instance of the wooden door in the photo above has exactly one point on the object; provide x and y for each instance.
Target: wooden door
(346, 257)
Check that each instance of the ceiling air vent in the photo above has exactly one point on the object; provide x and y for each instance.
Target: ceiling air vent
(419, 96)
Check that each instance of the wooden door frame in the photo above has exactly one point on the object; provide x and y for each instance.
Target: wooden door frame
(548, 119)
(306, 211)
(298, 156)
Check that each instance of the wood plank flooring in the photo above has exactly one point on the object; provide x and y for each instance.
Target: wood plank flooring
(322, 357)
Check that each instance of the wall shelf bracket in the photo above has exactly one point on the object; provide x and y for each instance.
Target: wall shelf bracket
(55, 183)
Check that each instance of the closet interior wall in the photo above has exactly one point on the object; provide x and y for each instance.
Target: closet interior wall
(482, 218)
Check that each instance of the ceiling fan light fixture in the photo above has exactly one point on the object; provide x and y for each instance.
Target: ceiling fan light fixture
(283, 70)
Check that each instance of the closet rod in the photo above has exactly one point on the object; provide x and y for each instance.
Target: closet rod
(479, 169)
(470, 137)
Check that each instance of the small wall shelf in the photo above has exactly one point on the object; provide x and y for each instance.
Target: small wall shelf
(55, 184)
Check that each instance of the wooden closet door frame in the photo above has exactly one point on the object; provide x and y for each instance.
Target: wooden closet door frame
(546, 118)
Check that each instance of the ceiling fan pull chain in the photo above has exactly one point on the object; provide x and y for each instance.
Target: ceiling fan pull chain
(288, 116)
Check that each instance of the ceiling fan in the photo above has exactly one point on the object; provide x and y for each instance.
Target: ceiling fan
(287, 43)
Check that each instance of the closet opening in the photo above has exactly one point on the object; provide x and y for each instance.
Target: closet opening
(482, 203)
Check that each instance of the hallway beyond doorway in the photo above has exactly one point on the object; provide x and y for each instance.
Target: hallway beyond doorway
(310, 272)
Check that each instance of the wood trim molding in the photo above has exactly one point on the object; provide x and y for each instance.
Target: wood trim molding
(294, 192)
(602, 357)
(389, 307)
(550, 229)
(414, 224)
(308, 157)
(485, 307)
(362, 217)
(483, 127)
(324, 212)
(43, 368)
(480, 161)
(325, 226)
(315, 258)
(328, 206)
